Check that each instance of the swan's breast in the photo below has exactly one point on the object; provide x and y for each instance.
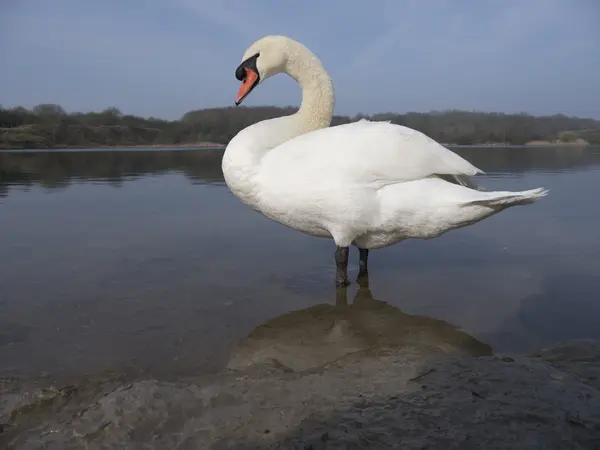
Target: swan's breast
(293, 209)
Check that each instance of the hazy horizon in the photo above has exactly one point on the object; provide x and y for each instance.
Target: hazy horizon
(164, 58)
(351, 114)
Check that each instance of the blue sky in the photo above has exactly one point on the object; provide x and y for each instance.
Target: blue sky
(166, 57)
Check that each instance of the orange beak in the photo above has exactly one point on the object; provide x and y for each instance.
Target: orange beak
(249, 82)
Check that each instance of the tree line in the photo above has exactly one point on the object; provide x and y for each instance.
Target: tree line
(50, 126)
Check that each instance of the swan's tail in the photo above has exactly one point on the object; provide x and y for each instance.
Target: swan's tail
(503, 200)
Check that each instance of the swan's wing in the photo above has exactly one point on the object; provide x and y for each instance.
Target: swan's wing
(373, 152)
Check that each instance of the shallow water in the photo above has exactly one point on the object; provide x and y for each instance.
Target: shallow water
(144, 261)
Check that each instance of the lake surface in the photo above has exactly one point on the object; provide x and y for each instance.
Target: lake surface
(144, 261)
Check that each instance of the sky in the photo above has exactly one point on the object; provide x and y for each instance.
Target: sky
(163, 58)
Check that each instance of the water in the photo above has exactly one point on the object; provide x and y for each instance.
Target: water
(144, 261)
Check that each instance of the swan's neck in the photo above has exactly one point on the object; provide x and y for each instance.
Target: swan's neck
(244, 152)
(318, 98)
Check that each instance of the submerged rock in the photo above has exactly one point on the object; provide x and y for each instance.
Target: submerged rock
(382, 379)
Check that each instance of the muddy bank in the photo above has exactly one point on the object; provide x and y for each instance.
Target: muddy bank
(360, 376)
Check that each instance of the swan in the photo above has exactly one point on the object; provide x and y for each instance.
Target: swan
(369, 184)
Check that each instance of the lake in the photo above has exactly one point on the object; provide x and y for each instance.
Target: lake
(143, 261)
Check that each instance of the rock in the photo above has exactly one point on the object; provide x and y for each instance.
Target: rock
(577, 356)
(367, 400)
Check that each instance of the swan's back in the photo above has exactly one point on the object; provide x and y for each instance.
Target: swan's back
(368, 152)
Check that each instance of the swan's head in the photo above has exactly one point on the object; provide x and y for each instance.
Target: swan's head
(264, 58)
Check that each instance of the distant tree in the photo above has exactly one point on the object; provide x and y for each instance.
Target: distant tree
(111, 116)
(15, 117)
(568, 136)
(112, 111)
(49, 110)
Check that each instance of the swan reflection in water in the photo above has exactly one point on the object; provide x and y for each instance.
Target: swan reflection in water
(315, 336)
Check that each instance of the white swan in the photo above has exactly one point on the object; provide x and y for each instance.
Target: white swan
(370, 184)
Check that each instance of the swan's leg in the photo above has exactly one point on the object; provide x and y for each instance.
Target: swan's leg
(363, 270)
(341, 264)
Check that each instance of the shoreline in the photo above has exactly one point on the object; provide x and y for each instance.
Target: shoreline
(211, 145)
(416, 394)
(217, 146)
(556, 144)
